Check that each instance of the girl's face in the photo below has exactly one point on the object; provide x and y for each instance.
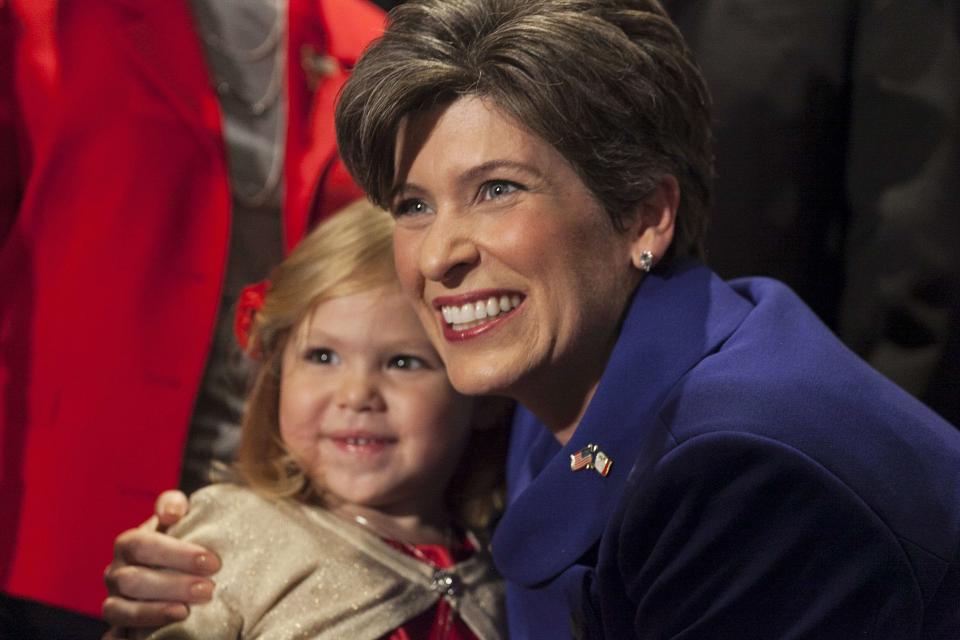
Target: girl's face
(366, 407)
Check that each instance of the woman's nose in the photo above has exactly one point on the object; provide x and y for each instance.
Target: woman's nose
(359, 391)
(448, 250)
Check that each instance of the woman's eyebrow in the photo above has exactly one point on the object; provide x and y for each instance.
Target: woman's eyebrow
(472, 174)
(492, 165)
(408, 188)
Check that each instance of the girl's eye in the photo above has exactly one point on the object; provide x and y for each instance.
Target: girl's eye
(409, 363)
(320, 355)
(410, 207)
(498, 189)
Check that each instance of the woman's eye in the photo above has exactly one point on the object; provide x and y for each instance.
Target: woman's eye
(319, 355)
(497, 189)
(410, 207)
(410, 363)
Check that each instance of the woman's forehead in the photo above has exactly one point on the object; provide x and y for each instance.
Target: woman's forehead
(467, 137)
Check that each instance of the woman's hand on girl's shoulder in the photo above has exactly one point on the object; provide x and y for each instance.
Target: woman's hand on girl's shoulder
(154, 577)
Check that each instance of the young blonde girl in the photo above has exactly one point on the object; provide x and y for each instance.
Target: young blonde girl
(361, 474)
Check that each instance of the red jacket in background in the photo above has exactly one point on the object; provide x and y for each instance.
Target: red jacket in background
(114, 221)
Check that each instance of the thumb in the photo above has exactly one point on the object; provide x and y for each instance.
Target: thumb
(171, 506)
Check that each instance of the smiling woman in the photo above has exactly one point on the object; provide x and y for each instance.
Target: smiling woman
(456, 139)
(548, 164)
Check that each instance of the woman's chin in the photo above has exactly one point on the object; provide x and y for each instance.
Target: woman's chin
(480, 381)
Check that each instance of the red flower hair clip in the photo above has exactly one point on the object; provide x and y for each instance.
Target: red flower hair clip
(248, 304)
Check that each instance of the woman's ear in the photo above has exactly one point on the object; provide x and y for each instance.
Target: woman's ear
(652, 228)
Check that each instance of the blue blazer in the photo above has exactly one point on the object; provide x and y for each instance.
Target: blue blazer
(766, 483)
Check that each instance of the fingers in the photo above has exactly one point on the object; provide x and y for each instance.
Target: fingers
(120, 613)
(152, 574)
(170, 507)
(144, 547)
(145, 583)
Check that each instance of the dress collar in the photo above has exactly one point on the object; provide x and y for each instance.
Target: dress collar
(678, 315)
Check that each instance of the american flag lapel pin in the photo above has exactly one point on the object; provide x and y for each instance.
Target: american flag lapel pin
(590, 457)
(583, 459)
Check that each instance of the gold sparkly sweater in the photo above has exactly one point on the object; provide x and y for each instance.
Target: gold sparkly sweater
(295, 571)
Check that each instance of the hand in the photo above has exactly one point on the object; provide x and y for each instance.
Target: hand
(153, 577)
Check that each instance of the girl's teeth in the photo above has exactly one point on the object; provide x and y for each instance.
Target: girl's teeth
(472, 313)
(362, 442)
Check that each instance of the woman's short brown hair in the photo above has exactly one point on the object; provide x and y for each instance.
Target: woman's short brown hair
(350, 253)
(609, 83)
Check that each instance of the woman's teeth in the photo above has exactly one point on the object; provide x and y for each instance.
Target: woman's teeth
(473, 313)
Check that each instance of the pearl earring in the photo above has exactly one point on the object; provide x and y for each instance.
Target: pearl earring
(646, 261)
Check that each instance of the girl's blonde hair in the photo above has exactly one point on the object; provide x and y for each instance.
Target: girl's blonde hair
(350, 253)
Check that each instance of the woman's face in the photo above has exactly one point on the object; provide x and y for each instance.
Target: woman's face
(515, 270)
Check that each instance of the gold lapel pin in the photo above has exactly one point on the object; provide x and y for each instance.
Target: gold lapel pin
(590, 457)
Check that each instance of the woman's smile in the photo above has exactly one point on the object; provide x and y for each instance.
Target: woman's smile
(474, 314)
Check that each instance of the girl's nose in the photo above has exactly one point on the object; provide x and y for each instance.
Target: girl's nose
(359, 391)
